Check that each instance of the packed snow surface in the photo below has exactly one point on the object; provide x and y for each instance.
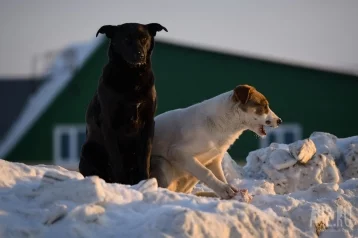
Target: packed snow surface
(306, 189)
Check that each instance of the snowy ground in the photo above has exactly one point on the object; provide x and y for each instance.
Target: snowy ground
(300, 190)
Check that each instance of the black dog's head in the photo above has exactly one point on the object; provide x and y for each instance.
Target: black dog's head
(132, 42)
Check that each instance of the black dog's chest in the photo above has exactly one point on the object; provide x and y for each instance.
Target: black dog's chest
(127, 97)
(129, 115)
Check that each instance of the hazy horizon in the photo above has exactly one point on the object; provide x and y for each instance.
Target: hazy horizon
(302, 31)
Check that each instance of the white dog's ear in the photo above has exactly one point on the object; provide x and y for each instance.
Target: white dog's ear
(242, 93)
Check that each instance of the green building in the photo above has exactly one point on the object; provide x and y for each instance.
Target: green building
(51, 128)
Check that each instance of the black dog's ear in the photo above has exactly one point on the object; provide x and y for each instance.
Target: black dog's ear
(154, 27)
(108, 30)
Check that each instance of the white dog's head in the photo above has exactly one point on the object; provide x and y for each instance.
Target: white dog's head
(255, 112)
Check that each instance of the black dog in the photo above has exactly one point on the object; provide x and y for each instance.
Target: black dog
(120, 117)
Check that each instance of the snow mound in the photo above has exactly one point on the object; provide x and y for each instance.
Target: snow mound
(296, 190)
(301, 181)
(323, 208)
(305, 163)
(41, 201)
(321, 197)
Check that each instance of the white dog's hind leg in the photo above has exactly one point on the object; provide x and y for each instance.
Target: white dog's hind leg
(161, 170)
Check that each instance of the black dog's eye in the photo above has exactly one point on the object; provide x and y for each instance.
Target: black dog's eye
(126, 39)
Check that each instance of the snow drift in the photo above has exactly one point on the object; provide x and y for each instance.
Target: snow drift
(304, 189)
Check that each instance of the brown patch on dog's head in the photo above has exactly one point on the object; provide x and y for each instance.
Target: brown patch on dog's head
(242, 93)
(250, 100)
(254, 108)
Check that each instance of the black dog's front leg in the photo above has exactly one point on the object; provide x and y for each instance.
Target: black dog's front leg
(110, 142)
(144, 145)
(145, 141)
(107, 99)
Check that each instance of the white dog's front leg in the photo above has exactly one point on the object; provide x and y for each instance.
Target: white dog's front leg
(195, 168)
(217, 170)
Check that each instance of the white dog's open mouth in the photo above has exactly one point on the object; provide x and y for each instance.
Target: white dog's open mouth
(262, 131)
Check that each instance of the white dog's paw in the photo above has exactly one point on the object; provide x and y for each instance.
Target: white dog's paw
(226, 191)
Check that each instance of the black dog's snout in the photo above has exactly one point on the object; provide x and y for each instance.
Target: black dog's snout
(140, 55)
(279, 121)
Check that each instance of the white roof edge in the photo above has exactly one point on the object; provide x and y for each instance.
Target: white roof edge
(265, 57)
(40, 101)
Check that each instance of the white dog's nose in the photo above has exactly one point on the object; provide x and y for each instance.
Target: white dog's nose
(272, 119)
(274, 122)
(279, 121)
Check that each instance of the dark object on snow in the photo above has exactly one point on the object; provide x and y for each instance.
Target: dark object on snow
(120, 116)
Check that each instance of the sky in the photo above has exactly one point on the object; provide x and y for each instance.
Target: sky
(319, 33)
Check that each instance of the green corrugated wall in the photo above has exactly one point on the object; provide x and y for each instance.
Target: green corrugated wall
(319, 101)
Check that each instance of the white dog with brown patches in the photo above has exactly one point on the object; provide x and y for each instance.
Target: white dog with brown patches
(189, 143)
